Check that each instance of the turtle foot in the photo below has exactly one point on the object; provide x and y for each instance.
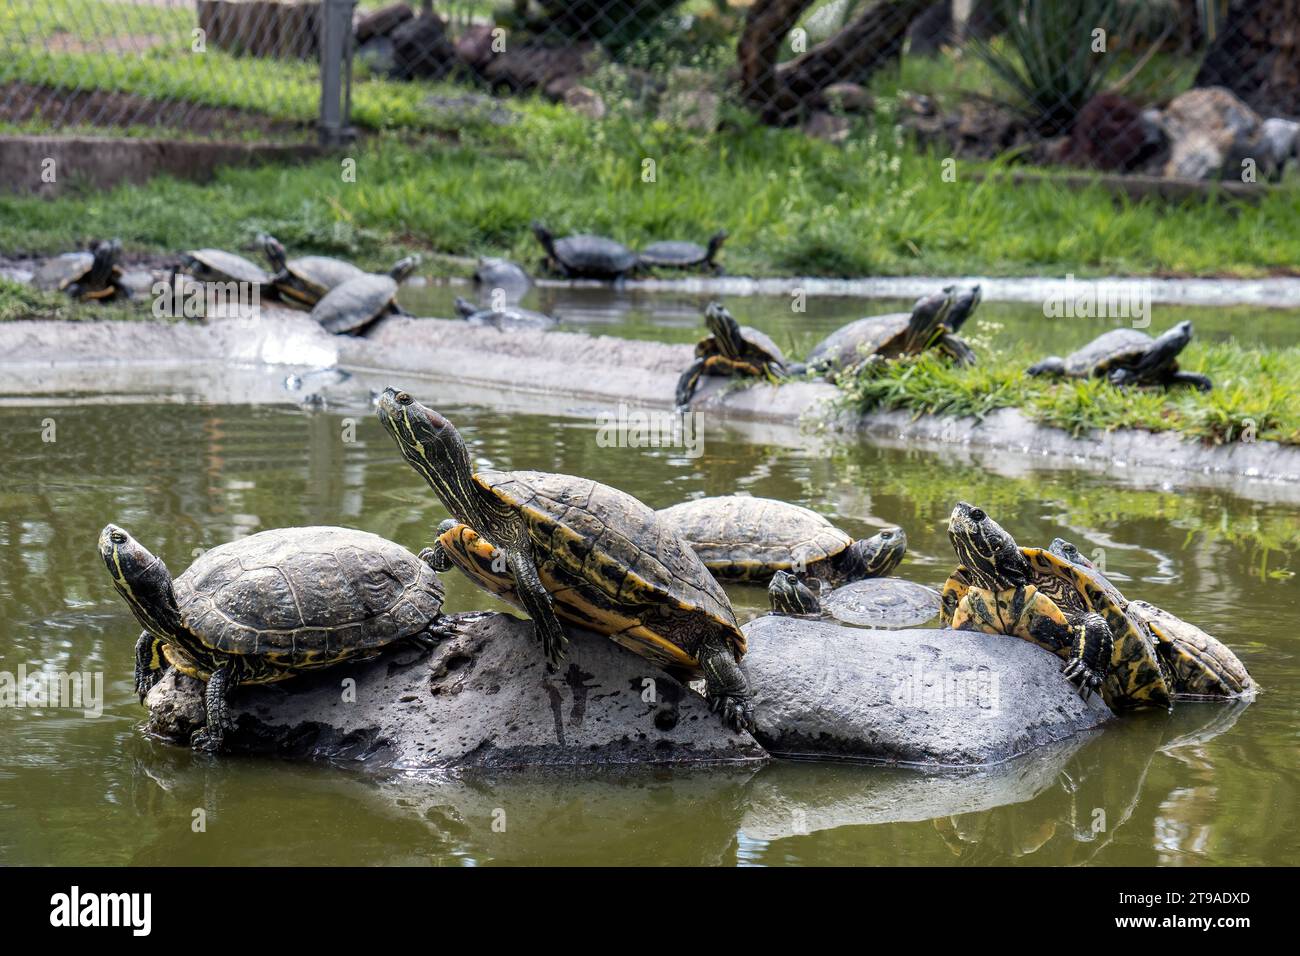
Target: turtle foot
(736, 712)
(1082, 676)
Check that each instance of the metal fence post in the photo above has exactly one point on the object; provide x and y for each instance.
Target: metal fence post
(336, 72)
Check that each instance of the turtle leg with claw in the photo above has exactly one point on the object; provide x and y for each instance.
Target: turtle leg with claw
(218, 710)
(689, 381)
(727, 690)
(1194, 379)
(1090, 655)
(537, 604)
(149, 663)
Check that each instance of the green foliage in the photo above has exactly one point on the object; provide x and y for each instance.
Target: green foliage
(20, 301)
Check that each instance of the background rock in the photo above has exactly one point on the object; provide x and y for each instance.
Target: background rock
(381, 22)
(1210, 131)
(921, 696)
(481, 699)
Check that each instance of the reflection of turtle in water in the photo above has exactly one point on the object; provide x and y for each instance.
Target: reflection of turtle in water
(1197, 666)
(559, 546)
(1128, 357)
(268, 606)
(677, 254)
(871, 602)
(93, 274)
(1000, 588)
(731, 349)
(742, 538)
(880, 338)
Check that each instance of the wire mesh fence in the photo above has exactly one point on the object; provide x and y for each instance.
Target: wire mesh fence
(1189, 88)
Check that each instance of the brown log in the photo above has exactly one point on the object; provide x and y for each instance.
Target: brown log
(766, 26)
(267, 28)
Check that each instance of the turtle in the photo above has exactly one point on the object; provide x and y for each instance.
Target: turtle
(506, 318)
(561, 546)
(742, 538)
(1030, 593)
(502, 274)
(679, 254)
(357, 304)
(217, 265)
(880, 338)
(263, 608)
(92, 274)
(873, 602)
(964, 303)
(584, 256)
(730, 349)
(1197, 666)
(1127, 356)
(307, 279)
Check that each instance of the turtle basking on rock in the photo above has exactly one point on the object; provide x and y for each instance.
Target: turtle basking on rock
(266, 607)
(881, 338)
(217, 265)
(1197, 666)
(742, 538)
(562, 547)
(1127, 356)
(93, 274)
(307, 279)
(1000, 588)
(510, 317)
(679, 254)
(731, 349)
(871, 602)
(584, 256)
(353, 307)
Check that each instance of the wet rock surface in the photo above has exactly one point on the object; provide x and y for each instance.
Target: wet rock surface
(922, 696)
(481, 699)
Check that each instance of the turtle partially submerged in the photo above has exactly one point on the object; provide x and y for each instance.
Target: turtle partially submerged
(1000, 588)
(584, 256)
(740, 538)
(872, 602)
(1197, 666)
(563, 547)
(357, 304)
(731, 349)
(1127, 356)
(502, 274)
(93, 274)
(880, 338)
(509, 317)
(217, 265)
(263, 608)
(307, 279)
(679, 254)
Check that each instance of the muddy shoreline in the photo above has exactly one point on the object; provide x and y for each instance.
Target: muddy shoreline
(571, 374)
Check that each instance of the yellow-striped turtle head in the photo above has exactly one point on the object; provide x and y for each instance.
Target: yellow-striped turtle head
(986, 550)
(725, 329)
(874, 557)
(142, 579)
(789, 595)
(434, 448)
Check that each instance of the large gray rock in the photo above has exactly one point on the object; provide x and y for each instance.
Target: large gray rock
(1210, 131)
(921, 696)
(481, 699)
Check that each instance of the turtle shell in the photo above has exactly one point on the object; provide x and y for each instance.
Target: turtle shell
(221, 266)
(356, 303)
(58, 273)
(613, 566)
(674, 253)
(594, 256)
(1201, 667)
(301, 598)
(310, 277)
(874, 335)
(883, 603)
(740, 538)
(508, 318)
(1136, 678)
(758, 347)
(1110, 350)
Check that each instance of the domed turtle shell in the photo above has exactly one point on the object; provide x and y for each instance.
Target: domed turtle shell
(742, 538)
(356, 304)
(610, 564)
(883, 603)
(310, 277)
(588, 256)
(874, 335)
(1109, 350)
(501, 274)
(58, 273)
(307, 597)
(681, 254)
(217, 265)
(1135, 677)
(80, 270)
(757, 345)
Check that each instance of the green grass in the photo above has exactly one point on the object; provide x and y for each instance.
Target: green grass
(20, 301)
(1256, 394)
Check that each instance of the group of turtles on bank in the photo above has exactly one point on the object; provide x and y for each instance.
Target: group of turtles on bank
(566, 549)
(1124, 357)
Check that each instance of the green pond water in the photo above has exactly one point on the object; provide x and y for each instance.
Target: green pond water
(1209, 784)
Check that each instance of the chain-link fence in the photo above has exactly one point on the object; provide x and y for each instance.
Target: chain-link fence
(1185, 88)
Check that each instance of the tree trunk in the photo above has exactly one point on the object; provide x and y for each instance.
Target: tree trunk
(782, 94)
(1257, 55)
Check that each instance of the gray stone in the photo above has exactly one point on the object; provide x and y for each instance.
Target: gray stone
(1210, 132)
(482, 699)
(1277, 143)
(584, 100)
(916, 697)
